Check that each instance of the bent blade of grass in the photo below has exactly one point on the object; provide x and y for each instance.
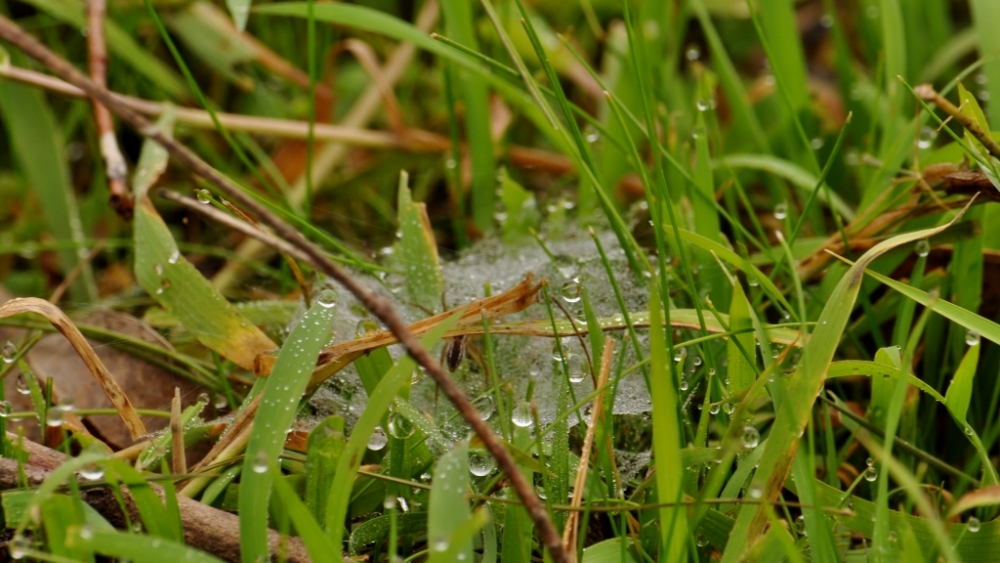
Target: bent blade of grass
(378, 403)
(136, 547)
(155, 517)
(449, 508)
(802, 389)
(959, 393)
(178, 286)
(315, 540)
(417, 250)
(666, 439)
(281, 395)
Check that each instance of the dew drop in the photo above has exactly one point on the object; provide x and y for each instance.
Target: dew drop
(973, 524)
(400, 427)
(485, 406)
(481, 464)
(175, 256)
(800, 525)
(327, 298)
(260, 462)
(684, 384)
(378, 439)
(922, 248)
(871, 474)
(9, 352)
(781, 211)
(5, 409)
(751, 437)
(55, 417)
(158, 268)
(92, 472)
(926, 137)
(577, 371)
(972, 338)
(755, 492)
(570, 291)
(21, 385)
(705, 104)
(522, 415)
(204, 196)
(19, 547)
(440, 545)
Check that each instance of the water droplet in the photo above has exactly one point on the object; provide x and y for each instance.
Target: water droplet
(973, 524)
(86, 532)
(204, 196)
(19, 547)
(481, 464)
(871, 474)
(680, 354)
(714, 409)
(440, 545)
(570, 291)
(926, 137)
(816, 143)
(755, 492)
(696, 361)
(751, 437)
(327, 298)
(922, 248)
(593, 138)
(175, 256)
(800, 525)
(826, 21)
(158, 268)
(701, 540)
(485, 406)
(260, 462)
(378, 439)
(5, 409)
(683, 384)
(972, 338)
(21, 385)
(577, 370)
(522, 415)
(92, 472)
(781, 211)
(693, 53)
(9, 352)
(400, 427)
(705, 104)
(55, 417)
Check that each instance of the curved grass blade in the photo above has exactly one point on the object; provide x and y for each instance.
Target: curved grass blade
(802, 389)
(802, 179)
(449, 508)
(135, 547)
(281, 395)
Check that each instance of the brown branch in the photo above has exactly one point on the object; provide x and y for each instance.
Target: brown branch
(377, 304)
(114, 163)
(927, 93)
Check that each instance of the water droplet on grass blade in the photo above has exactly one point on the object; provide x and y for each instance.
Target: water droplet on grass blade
(92, 472)
(9, 352)
(570, 291)
(522, 415)
(400, 427)
(751, 437)
(204, 196)
(972, 338)
(485, 406)
(871, 474)
(974, 524)
(481, 464)
(780, 211)
(378, 439)
(922, 248)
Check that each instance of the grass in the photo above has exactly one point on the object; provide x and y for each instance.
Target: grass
(747, 197)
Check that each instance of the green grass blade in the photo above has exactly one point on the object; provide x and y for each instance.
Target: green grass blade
(315, 540)
(448, 508)
(136, 547)
(959, 393)
(459, 21)
(37, 145)
(417, 251)
(803, 387)
(802, 179)
(666, 439)
(277, 410)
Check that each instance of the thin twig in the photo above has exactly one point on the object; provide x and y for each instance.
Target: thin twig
(571, 531)
(375, 303)
(179, 461)
(114, 163)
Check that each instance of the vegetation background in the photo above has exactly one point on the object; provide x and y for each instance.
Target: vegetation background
(699, 280)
